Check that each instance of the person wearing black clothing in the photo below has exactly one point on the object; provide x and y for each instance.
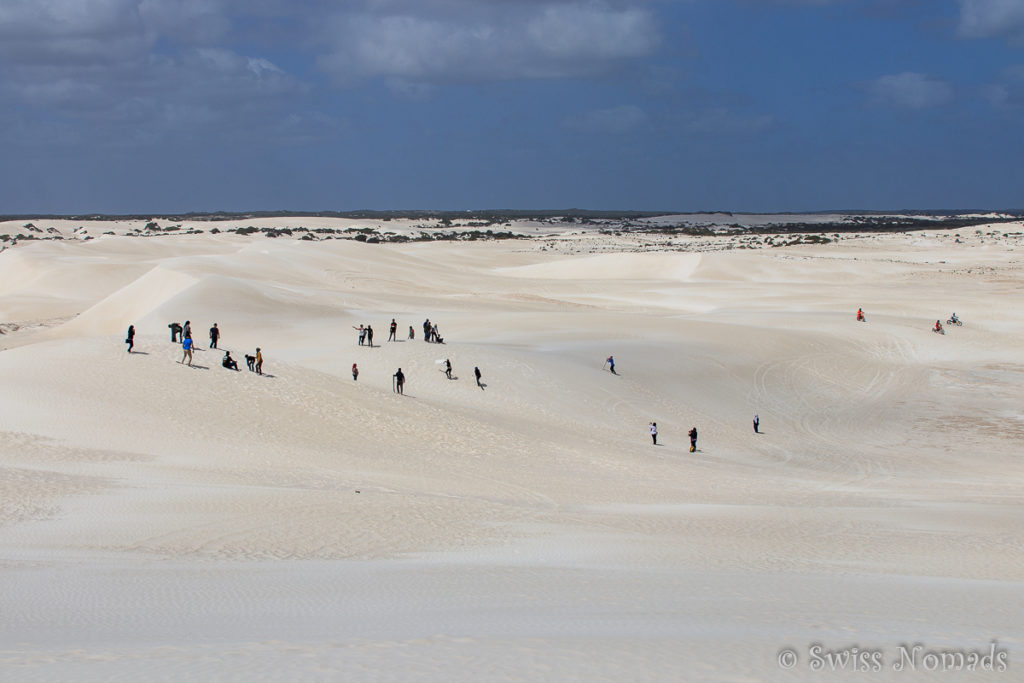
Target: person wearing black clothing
(186, 332)
(394, 331)
(175, 332)
(399, 381)
(448, 368)
(476, 371)
(130, 339)
(229, 362)
(214, 336)
(369, 335)
(693, 439)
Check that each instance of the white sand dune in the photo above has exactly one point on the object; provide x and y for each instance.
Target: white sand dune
(165, 522)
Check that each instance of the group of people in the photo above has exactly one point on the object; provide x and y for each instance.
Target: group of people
(938, 329)
(653, 428)
(183, 334)
(430, 333)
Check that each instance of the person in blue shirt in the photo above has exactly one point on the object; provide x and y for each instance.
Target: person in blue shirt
(186, 345)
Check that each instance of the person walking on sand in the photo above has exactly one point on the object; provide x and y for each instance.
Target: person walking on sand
(399, 381)
(860, 315)
(130, 338)
(362, 333)
(476, 371)
(412, 333)
(186, 345)
(611, 363)
(448, 368)
(259, 361)
(394, 331)
(186, 332)
(355, 372)
(654, 433)
(757, 423)
(693, 439)
(214, 336)
(369, 335)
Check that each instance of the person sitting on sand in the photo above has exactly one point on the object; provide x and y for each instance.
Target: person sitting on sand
(229, 362)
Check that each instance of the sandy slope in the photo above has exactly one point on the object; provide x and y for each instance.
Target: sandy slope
(160, 521)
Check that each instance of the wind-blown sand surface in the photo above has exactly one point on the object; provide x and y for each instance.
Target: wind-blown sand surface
(163, 522)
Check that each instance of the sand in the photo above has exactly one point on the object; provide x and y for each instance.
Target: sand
(162, 522)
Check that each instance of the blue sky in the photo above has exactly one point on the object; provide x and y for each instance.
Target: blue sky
(124, 106)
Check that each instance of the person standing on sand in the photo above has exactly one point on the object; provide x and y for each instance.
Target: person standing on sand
(412, 333)
(654, 433)
(362, 333)
(399, 381)
(448, 368)
(369, 335)
(426, 330)
(214, 336)
(259, 361)
(611, 362)
(476, 371)
(186, 345)
(693, 439)
(186, 332)
(355, 372)
(130, 338)
(394, 331)
(757, 423)
(175, 332)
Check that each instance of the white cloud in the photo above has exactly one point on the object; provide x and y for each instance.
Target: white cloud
(991, 18)
(910, 90)
(1008, 90)
(516, 40)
